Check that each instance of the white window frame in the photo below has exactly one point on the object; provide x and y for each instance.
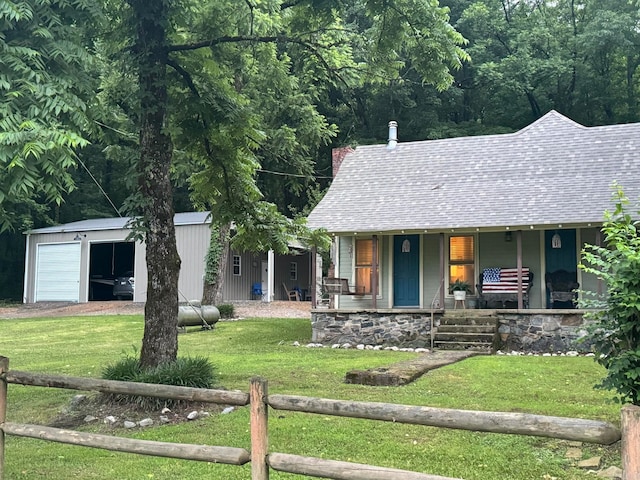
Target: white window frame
(354, 266)
(475, 260)
(236, 265)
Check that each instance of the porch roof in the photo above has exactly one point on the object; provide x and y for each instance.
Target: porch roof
(553, 172)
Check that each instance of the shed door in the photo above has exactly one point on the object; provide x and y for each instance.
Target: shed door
(58, 273)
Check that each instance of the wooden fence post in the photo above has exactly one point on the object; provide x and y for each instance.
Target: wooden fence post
(631, 442)
(4, 368)
(259, 429)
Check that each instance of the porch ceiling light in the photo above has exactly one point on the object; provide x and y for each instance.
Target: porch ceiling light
(556, 241)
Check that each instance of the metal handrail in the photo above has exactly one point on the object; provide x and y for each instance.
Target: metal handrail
(435, 301)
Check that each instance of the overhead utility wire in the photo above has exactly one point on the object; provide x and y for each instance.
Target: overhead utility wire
(284, 174)
(97, 183)
(124, 134)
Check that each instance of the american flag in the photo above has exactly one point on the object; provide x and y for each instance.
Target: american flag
(507, 280)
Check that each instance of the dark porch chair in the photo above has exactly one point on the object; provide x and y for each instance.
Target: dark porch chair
(561, 288)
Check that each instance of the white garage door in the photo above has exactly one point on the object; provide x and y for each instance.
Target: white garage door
(58, 273)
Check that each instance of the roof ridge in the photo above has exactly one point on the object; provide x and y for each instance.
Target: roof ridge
(552, 116)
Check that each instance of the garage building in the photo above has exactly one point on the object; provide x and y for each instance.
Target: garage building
(79, 262)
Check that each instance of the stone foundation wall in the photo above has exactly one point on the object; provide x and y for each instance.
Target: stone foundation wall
(542, 332)
(533, 331)
(402, 329)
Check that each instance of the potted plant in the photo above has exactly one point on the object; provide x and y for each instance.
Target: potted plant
(460, 289)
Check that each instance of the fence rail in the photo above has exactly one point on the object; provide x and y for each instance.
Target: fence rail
(259, 402)
(203, 453)
(591, 431)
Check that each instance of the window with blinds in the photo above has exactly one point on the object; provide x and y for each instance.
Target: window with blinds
(364, 264)
(462, 260)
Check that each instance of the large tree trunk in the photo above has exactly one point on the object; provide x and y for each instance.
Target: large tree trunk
(216, 267)
(160, 341)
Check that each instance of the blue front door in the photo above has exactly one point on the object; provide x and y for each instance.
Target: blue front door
(406, 271)
(561, 254)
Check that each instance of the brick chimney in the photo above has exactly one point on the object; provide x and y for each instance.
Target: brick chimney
(337, 156)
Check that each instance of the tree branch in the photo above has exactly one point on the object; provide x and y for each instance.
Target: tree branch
(225, 39)
(291, 4)
(311, 47)
(185, 76)
(249, 39)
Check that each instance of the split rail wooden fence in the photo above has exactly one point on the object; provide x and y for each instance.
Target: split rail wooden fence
(258, 400)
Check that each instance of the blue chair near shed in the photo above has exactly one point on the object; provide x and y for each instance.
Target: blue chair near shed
(256, 290)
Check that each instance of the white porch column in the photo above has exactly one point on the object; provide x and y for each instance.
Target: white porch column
(270, 276)
(318, 279)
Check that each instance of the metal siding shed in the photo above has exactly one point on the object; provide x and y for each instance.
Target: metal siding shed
(193, 244)
(191, 228)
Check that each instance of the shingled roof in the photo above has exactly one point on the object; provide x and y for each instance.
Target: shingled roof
(553, 172)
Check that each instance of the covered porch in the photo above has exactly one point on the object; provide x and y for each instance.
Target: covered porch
(417, 270)
(400, 289)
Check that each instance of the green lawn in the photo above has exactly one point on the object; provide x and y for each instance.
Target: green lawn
(82, 346)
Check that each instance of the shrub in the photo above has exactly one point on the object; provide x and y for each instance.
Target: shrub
(196, 372)
(126, 370)
(226, 310)
(616, 332)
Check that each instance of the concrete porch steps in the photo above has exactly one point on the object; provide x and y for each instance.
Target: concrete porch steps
(466, 330)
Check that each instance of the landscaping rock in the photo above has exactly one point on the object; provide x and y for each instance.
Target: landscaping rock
(593, 462)
(110, 420)
(614, 473)
(574, 453)
(128, 424)
(146, 422)
(193, 415)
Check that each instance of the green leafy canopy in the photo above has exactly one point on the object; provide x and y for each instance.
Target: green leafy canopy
(44, 89)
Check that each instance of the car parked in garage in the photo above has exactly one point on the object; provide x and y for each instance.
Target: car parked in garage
(123, 286)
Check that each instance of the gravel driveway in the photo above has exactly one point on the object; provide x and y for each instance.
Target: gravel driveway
(243, 309)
